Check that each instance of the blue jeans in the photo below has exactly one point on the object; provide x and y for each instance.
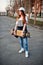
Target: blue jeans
(24, 43)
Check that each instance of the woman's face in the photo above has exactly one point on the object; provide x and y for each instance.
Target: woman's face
(20, 13)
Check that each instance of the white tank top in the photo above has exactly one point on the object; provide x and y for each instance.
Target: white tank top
(20, 23)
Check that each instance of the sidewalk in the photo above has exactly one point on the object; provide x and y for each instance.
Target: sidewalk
(38, 19)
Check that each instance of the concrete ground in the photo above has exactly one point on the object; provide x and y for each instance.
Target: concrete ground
(9, 45)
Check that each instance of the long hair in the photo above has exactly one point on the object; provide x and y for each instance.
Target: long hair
(23, 13)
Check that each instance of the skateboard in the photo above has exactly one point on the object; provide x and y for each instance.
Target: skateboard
(19, 33)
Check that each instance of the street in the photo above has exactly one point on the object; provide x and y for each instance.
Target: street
(9, 45)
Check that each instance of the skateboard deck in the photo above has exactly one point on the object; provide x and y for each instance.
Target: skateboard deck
(19, 33)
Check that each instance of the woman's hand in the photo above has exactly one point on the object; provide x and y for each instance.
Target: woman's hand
(15, 31)
(12, 31)
(23, 34)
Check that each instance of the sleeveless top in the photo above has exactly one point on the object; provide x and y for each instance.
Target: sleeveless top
(20, 23)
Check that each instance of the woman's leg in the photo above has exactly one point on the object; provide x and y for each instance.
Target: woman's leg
(22, 46)
(21, 42)
(25, 41)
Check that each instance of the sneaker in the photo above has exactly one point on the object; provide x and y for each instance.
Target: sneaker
(22, 50)
(26, 54)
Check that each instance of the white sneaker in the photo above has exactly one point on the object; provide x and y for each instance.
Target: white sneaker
(26, 54)
(22, 50)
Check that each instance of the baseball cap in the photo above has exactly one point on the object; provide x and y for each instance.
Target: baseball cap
(21, 8)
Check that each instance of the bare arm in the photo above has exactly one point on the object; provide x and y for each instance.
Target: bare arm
(16, 25)
(24, 25)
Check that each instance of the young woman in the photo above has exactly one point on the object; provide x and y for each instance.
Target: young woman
(21, 24)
